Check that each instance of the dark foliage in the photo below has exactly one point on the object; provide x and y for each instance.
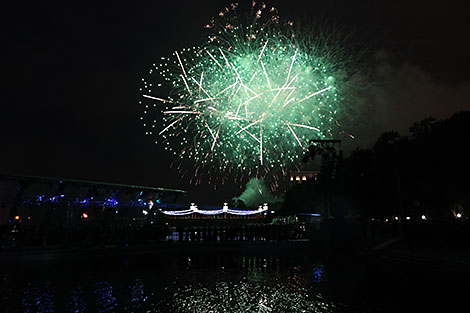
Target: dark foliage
(425, 172)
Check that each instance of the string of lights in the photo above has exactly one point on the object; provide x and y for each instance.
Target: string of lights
(194, 209)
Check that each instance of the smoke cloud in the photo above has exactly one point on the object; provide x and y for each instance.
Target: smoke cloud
(256, 192)
(400, 95)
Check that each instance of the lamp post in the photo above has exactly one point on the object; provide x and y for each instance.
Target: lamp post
(394, 141)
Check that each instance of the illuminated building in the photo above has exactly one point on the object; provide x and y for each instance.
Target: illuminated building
(67, 201)
(302, 176)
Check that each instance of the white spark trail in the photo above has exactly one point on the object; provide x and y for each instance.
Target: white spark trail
(262, 50)
(187, 86)
(181, 63)
(315, 93)
(252, 77)
(266, 75)
(159, 99)
(173, 123)
(291, 65)
(227, 88)
(254, 137)
(295, 136)
(207, 94)
(259, 58)
(282, 89)
(239, 118)
(210, 130)
(212, 57)
(235, 91)
(248, 126)
(245, 103)
(200, 84)
(215, 139)
(304, 126)
(241, 82)
(181, 112)
(226, 61)
(261, 145)
(287, 101)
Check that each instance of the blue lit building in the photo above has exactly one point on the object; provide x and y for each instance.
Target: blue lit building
(39, 200)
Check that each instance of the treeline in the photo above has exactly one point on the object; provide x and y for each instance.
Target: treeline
(424, 173)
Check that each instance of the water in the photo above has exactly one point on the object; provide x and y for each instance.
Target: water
(212, 281)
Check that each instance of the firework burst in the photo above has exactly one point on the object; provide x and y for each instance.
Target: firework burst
(249, 99)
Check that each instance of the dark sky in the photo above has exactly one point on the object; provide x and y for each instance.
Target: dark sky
(71, 73)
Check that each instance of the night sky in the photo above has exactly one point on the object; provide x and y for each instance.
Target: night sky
(71, 77)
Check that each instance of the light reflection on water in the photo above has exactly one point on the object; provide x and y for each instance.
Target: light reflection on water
(77, 302)
(105, 300)
(245, 296)
(183, 284)
(38, 298)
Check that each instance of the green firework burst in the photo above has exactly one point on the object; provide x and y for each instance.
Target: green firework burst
(249, 99)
